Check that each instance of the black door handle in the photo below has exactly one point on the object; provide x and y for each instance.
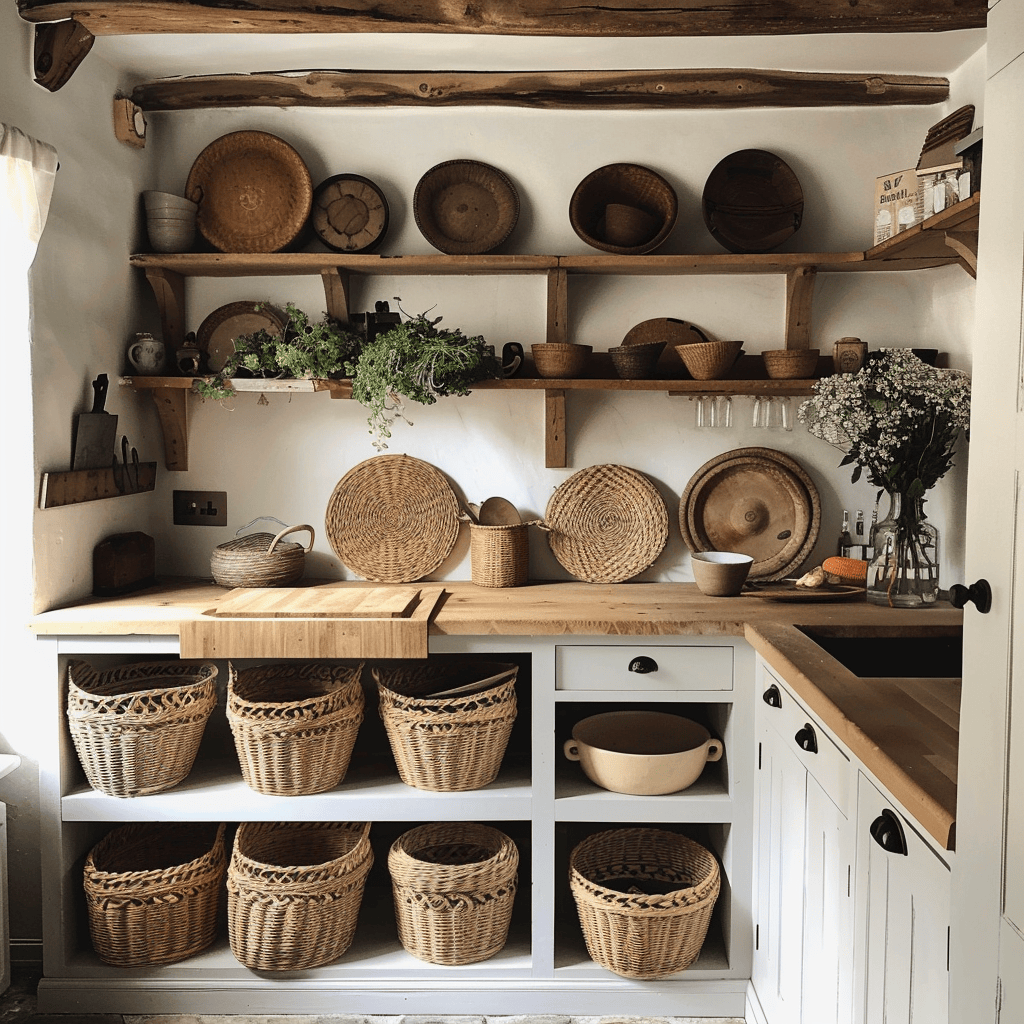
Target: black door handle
(772, 697)
(807, 739)
(643, 665)
(887, 831)
(980, 593)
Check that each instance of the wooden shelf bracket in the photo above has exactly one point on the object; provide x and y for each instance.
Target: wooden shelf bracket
(799, 296)
(965, 245)
(556, 454)
(169, 289)
(336, 292)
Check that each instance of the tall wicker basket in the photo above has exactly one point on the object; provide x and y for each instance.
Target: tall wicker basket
(295, 724)
(152, 891)
(454, 885)
(446, 743)
(294, 892)
(137, 728)
(636, 935)
(499, 555)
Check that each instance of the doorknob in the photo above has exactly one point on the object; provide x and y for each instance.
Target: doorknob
(980, 593)
(887, 831)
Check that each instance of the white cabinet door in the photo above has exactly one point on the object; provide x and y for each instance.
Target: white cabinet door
(903, 919)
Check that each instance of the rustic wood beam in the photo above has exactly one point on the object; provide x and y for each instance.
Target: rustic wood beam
(799, 301)
(59, 49)
(514, 17)
(667, 89)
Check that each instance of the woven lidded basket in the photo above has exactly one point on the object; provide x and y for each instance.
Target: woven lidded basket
(294, 892)
(152, 891)
(454, 885)
(634, 934)
(499, 555)
(260, 559)
(295, 724)
(137, 728)
(447, 743)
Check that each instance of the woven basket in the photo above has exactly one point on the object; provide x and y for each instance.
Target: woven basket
(557, 359)
(294, 892)
(499, 555)
(636, 935)
(709, 360)
(260, 560)
(454, 885)
(636, 362)
(446, 744)
(152, 891)
(137, 728)
(790, 363)
(294, 725)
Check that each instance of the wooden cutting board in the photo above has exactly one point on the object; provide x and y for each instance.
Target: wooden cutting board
(317, 603)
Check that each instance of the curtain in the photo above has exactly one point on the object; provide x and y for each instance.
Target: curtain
(27, 169)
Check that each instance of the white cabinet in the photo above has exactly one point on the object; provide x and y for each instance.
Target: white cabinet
(902, 918)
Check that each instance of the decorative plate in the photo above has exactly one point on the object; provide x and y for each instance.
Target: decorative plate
(217, 333)
(787, 590)
(606, 524)
(392, 519)
(350, 213)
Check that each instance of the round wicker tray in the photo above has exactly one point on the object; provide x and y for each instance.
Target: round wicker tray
(254, 192)
(606, 524)
(392, 519)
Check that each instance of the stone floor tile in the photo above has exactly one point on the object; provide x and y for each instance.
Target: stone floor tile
(536, 1018)
(442, 1018)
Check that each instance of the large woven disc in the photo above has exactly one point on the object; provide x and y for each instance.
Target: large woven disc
(607, 524)
(392, 519)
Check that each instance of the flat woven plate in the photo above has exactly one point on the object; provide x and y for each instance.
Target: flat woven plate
(465, 207)
(606, 524)
(392, 519)
(217, 333)
(757, 501)
(254, 192)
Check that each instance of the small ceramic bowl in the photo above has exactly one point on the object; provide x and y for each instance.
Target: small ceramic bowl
(720, 573)
(160, 202)
(170, 234)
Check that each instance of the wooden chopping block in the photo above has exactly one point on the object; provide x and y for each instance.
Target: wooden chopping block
(121, 563)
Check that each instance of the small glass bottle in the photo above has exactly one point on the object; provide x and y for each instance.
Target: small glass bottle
(860, 544)
(845, 542)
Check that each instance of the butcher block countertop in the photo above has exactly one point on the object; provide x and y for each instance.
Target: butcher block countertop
(904, 730)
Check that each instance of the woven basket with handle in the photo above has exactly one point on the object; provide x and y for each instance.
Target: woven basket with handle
(640, 935)
(295, 724)
(454, 884)
(137, 728)
(260, 559)
(294, 892)
(152, 891)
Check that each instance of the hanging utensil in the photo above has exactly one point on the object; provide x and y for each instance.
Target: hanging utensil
(499, 512)
(95, 431)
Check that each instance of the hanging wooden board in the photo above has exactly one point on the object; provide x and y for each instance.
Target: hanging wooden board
(79, 485)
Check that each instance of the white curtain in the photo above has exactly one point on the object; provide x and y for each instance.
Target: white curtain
(28, 169)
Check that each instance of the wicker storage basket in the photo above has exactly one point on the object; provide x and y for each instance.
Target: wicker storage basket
(260, 560)
(152, 891)
(294, 892)
(499, 555)
(636, 935)
(294, 725)
(454, 885)
(446, 743)
(137, 728)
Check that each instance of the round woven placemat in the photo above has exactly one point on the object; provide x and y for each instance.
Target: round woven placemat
(392, 519)
(606, 524)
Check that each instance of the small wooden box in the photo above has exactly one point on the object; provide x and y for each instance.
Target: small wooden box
(121, 563)
(897, 204)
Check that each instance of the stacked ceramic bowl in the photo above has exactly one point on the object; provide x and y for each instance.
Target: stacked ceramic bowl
(170, 221)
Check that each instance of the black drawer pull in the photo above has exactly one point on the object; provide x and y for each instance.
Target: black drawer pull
(807, 739)
(887, 831)
(772, 697)
(643, 665)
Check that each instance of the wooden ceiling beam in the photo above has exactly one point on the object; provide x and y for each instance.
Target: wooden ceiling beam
(513, 17)
(679, 89)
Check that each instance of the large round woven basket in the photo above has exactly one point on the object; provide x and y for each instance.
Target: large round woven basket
(606, 524)
(295, 724)
(260, 560)
(152, 891)
(447, 743)
(392, 519)
(137, 728)
(294, 892)
(634, 934)
(454, 885)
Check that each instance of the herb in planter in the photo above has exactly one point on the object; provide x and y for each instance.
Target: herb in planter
(416, 360)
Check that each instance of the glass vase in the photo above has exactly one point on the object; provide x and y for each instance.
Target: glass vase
(904, 571)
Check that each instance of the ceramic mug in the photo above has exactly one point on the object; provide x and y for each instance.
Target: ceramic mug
(146, 354)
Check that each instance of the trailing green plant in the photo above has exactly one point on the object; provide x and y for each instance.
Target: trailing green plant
(304, 349)
(418, 361)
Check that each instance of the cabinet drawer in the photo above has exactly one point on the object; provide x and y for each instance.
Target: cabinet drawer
(643, 668)
(828, 764)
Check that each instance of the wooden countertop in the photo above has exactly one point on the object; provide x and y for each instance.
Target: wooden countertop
(904, 730)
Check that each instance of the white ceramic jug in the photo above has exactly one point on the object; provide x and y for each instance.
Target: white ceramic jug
(146, 354)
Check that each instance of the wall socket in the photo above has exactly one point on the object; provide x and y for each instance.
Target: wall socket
(200, 508)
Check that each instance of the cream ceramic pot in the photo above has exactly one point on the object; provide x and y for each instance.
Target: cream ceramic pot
(643, 753)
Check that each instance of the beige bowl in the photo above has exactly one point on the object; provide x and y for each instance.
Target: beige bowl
(170, 234)
(720, 573)
(709, 360)
(643, 753)
(160, 202)
(560, 359)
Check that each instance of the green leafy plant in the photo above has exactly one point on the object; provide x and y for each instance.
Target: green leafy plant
(418, 361)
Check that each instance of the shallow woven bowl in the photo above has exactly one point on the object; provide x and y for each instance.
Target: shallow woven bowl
(709, 360)
(790, 363)
(636, 362)
(618, 186)
(559, 359)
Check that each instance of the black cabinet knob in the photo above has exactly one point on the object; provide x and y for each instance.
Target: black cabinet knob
(643, 665)
(807, 739)
(980, 593)
(772, 697)
(887, 831)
